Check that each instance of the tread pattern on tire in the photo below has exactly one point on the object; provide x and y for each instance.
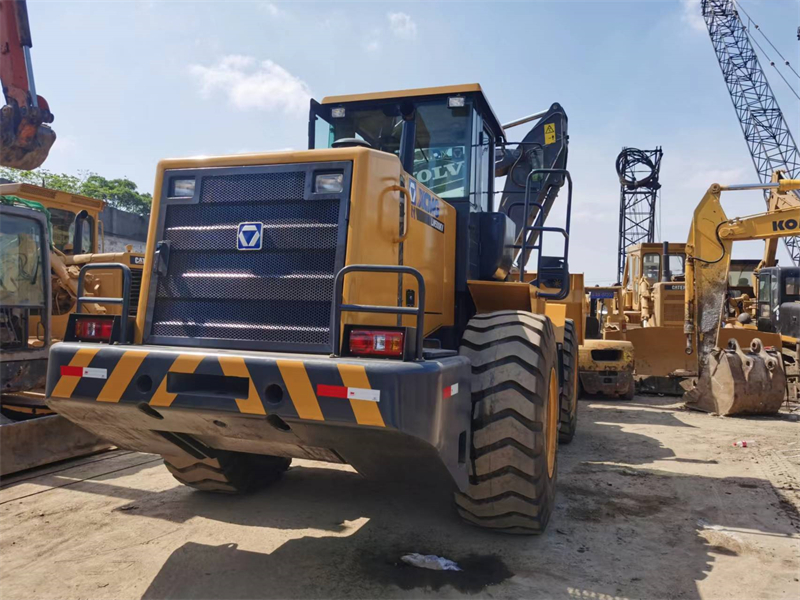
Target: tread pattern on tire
(228, 472)
(569, 398)
(512, 355)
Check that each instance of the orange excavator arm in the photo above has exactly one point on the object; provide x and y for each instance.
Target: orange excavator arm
(25, 136)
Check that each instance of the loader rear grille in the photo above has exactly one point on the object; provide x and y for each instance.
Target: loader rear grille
(136, 290)
(276, 298)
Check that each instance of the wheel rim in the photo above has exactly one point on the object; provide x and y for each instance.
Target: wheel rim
(552, 423)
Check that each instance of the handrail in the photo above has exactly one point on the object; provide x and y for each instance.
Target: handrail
(537, 226)
(406, 212)
(339, 308)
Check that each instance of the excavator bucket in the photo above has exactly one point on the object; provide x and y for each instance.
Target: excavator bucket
(736, 381)
(25, 146)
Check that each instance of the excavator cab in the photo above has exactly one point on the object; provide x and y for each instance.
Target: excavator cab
(779, 300)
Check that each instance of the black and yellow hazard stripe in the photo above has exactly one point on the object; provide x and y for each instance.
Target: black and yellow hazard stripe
(128, 368)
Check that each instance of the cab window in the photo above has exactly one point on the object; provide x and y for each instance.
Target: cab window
(442, 148)
(677, 265)
(62, 221)
(652, 267)
(791, 288)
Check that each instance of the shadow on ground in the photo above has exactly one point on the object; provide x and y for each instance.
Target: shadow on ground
(616, 527)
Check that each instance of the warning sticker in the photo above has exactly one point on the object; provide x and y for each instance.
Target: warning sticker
(549, 133)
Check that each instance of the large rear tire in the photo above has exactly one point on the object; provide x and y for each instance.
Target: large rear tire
(515, 412)
(228, 472)
(569, 391)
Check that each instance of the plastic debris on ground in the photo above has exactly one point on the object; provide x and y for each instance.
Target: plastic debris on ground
(430, 561)
(744, 443)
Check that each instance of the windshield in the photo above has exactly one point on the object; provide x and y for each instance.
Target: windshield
(741, 275)
(441, 149)
(63, 222)
(21, 282)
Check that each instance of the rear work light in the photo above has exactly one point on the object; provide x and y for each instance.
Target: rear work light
(375, 342)
(95, 329)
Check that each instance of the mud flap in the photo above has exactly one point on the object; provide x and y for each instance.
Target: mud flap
(740, 382)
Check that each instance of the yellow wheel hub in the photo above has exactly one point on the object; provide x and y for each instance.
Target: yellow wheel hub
(552, 423)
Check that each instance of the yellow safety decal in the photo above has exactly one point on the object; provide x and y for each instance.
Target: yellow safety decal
(549, 133)
(234, 366)
(121, 376)
(185, 363)
(300, 390)
(366, 411)
(67, 384)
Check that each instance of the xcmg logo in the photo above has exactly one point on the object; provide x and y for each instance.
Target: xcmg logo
(784, 225)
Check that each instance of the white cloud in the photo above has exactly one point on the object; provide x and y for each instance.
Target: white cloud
(372, 44)
(690, 14)
(249, 84)
(402, 25)
(272, 9)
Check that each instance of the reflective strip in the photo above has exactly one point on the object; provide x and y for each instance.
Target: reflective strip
(67, 384)
(367, 412)
(339, 391)
(450, 390)
(185, 363)
(332, 391)
(121, 376)
(234, 366)
(362, 394)
(299, 386)
(95, 373)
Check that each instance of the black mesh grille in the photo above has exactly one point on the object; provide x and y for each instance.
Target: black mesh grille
(280, 294)
(136, 289)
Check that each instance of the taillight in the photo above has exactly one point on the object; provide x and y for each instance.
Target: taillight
(94, 328)
(374, 342)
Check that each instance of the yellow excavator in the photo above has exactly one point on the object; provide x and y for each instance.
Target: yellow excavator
(740, 370)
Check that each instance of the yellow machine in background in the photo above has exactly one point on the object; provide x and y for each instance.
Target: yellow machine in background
(31, 434)
(71, 213)
(365, 301)
(732, 380)
(606, 361)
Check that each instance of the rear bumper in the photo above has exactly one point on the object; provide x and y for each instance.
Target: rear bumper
(609, 383)
(385, 418)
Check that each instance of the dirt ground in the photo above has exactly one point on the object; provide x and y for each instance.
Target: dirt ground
(653, 502)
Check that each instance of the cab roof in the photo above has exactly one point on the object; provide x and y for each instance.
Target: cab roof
(471, 89)
(52, 198)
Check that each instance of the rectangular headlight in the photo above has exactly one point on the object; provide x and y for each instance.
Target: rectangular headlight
(329, 183)
(338, 112)
(182, 188)
(455, 102)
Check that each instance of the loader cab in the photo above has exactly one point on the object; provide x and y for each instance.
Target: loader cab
(779, 300)
(646, 263)
(444, 136)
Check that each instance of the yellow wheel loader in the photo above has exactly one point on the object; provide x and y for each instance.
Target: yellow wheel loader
(740, 370)
(355, 303)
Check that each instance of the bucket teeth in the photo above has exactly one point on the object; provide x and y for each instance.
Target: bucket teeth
(737, 381)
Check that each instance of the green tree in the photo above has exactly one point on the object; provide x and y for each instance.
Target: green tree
(119, 193)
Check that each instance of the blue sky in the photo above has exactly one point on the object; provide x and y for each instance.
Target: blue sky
(133, 82)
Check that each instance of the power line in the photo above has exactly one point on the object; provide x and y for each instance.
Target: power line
(786, 62)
